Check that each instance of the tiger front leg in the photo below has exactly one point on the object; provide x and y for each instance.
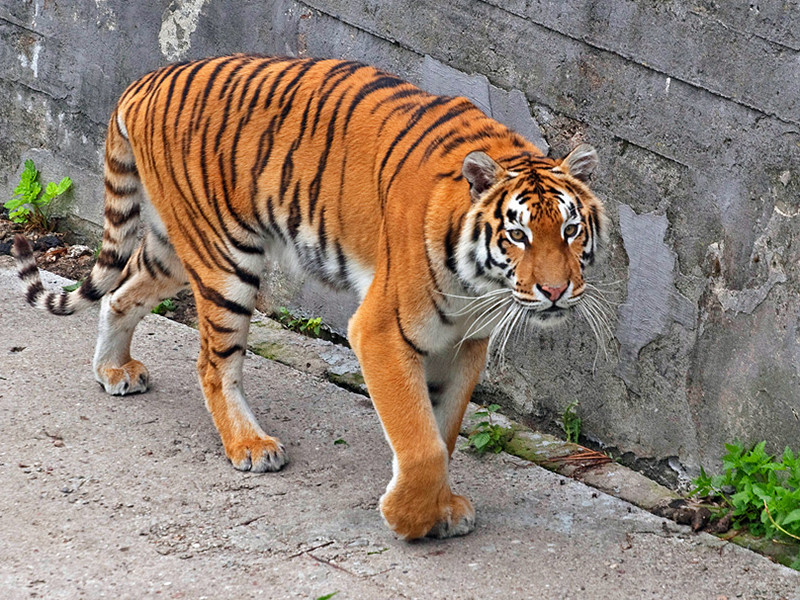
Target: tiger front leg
(418, 500)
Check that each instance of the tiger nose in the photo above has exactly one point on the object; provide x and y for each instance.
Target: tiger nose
(553, 292)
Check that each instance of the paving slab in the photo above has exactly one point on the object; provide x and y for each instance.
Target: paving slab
(132, 497)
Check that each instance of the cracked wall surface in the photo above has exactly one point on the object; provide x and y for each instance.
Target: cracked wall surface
(693, 107)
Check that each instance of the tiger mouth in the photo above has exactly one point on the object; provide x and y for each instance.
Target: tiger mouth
(534, 306)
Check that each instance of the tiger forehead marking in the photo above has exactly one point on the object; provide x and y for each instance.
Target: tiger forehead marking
(453, 230)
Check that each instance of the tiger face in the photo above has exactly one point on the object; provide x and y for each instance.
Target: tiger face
(532, 229)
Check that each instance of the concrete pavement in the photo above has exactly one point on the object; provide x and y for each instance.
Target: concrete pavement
(131, 497)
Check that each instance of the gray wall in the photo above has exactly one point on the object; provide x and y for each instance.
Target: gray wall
(694, 108)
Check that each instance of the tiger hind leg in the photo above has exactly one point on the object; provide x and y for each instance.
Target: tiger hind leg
(152, 274)
(224, 306)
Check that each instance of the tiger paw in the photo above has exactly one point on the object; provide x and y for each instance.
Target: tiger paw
(459, 519)
(130, 378)
(447, 515)
(257, 454)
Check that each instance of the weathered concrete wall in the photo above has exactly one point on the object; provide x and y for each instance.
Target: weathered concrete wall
(695, 110)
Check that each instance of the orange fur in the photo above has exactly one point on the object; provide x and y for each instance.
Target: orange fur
(412, 200)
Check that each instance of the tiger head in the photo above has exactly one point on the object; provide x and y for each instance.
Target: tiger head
(532, 228)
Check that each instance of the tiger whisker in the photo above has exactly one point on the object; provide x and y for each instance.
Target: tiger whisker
(606, 283)
(600, 344)
(499, 329)
(593, 292)
(601, 312)
(510, 329)
(473, 307)
(482, 320)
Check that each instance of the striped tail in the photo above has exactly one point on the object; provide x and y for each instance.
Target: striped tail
(123, 196)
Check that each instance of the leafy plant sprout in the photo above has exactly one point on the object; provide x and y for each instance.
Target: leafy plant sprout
(488, 436)
(760, 491)
(571, 423)
(165, 306)
(311, 327)
(29, 204)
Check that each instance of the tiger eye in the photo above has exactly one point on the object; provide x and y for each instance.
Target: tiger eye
(570, 230)
(518, 235)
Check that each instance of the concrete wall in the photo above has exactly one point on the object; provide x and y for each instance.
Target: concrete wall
(694, 108)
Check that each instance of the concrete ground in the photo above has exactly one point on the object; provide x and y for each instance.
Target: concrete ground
(132, 497)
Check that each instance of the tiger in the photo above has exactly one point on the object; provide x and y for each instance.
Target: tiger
(449, 226)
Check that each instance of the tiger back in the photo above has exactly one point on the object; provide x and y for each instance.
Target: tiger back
(453, 230)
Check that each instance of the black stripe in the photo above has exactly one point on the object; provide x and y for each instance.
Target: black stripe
(111, 259)
(485, 133)
(89, 291)
(215, 297)
(272, 221)
(117, 167)
(440, 313)
(35, 290)
(62, 305)
(219, 328)
(244, 276)
(251, 76)
(187, 86)
(146, 262)
(287, 170)
(212, 78)
(411, 344)
(341, 262)
(450, 241)
(228, 94)
(306, 66)
(276, 82)
(316, 183)
(117, 218)
(452, 113)
(382, 82)
(399, 95)
(295, 218)
(346, 70)
(26, 272)
(229, 351)
(403, 133)
(127, 190)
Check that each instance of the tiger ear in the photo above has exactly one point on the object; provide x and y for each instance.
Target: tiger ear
(481, 172)
(581, 162)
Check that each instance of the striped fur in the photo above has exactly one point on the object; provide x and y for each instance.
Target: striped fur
(449, 226)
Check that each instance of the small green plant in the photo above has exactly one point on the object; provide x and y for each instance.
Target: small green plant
(328, 596)
(29, 204)
(165, 306)
(340, 442)
(488, 436)
(72, 286)
(311, 327)
(571, 423)
(762, 493)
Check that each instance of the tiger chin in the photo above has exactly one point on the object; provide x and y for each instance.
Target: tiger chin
(453, 230)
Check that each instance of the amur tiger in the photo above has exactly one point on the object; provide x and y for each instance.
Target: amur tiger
(450, 227)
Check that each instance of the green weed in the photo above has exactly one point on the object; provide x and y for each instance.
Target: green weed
(488, 436)
(762, 493)
(29, 204)
(571, 423)
(72, 286)
(164, 307)
(311, 327)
